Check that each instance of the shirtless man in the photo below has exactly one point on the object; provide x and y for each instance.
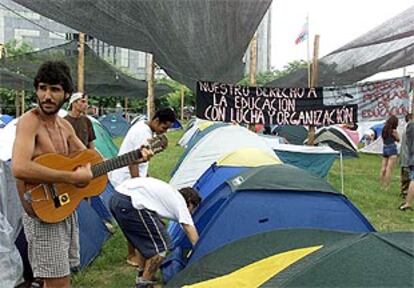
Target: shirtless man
(53, 248)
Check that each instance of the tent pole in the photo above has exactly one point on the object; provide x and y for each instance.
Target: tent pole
(341, 163)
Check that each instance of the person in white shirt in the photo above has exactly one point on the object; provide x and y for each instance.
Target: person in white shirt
(137, 137)
(138, 205)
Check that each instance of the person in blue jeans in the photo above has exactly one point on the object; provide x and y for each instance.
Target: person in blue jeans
(390, 138)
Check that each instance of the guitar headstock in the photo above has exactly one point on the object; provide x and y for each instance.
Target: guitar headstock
(158, 143)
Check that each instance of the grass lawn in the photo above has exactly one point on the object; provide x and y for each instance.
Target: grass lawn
(361, 186)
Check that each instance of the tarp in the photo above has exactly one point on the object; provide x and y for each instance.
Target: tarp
(116, 124)
(386, 47)
(317, 160)
(204, 40)
(101, 78)
(306, 258)
(210, 148)
(11, 80)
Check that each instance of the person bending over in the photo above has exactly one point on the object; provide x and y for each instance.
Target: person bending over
(138, 205)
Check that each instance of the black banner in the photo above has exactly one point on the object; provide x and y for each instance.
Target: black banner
(282, 106)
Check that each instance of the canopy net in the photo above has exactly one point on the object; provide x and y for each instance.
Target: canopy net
(190, 40)
(101, 78)
(386, 47)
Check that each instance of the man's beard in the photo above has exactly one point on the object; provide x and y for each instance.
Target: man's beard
(55, 111)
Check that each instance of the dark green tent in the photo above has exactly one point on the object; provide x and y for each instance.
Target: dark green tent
(306, 258)
(103, 141)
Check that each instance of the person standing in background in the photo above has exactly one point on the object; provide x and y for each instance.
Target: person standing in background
(409, 198)
(78, 105)
(390, 137)
(136, 137)
(405, 170)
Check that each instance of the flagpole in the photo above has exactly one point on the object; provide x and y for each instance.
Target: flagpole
(308, 51)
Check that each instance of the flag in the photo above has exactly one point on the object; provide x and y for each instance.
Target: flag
(303, 35)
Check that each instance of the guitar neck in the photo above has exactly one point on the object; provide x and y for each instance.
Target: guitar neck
(115, 163)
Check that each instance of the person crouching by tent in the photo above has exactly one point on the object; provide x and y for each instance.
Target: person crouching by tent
(138, 205)
(390, 137)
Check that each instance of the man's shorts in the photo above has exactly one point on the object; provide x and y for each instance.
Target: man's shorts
(390, 150)
(52, 248)
(143, 228)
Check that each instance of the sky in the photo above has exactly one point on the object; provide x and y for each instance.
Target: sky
(336, 21)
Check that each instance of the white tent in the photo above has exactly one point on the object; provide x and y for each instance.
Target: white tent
(210, 148)
(199, 124)
(7, 135)
(376, 146)
(11, 265)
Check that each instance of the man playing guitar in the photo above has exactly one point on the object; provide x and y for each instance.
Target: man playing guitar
(53, 248)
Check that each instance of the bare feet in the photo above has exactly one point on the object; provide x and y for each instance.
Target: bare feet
(133, 261)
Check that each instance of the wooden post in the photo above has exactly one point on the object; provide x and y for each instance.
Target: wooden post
(22, 103)
(17, 103)
(252, 69)
(253, 61)
(81, 62)
(150, 83)
(182, 103)
(314, 83)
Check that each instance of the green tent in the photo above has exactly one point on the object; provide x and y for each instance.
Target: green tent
(103, 141)
(306, 258)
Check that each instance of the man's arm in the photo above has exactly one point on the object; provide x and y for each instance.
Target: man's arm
(26, 169)
(91, 145)
(91, 135)
(133, 170)
(191, 233)
(146, 155)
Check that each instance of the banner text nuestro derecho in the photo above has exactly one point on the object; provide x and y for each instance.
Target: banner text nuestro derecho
(243, 104)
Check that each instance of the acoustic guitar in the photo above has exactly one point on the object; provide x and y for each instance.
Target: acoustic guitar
(52, 203)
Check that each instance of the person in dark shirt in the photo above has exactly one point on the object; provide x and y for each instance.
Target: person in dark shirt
(78, 105)
(409, 198)
(390, 137)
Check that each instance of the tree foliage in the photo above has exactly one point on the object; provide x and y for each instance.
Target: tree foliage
(8, 96)
(269, 76)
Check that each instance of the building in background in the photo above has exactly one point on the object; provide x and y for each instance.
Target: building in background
(264, 48)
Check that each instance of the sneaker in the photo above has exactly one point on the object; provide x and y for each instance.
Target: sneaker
(143, 283)
(110, 227)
